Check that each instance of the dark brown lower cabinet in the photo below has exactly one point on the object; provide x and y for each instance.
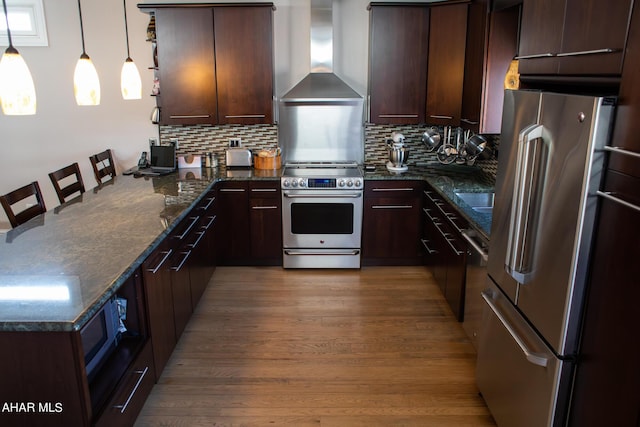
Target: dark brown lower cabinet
(265, 222)
(391, 223)
(607, 383)
(445, 249)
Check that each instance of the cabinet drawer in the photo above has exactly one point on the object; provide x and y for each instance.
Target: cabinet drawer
(392, 188)
(132, 392)
(264, 189)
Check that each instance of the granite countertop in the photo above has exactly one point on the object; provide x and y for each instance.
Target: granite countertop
(448, 180)
(59, 268)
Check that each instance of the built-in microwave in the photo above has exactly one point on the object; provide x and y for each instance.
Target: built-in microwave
(101, 334)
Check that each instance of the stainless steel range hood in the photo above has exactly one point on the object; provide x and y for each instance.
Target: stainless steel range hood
(321, 118)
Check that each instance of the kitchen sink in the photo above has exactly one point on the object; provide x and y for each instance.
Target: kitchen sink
(479, 202)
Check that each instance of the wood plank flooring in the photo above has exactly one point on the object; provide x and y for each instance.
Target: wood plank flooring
(331, 348)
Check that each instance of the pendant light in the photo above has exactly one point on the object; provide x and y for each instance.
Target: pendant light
(86, 84)
(17, 93)
(130, 82)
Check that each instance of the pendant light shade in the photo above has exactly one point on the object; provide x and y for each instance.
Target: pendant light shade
(17, 93)
(86, 84)
(130, 82)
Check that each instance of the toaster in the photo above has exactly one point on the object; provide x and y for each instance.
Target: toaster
(238, 157)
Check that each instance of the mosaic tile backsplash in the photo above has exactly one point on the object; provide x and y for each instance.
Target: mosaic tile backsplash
(200, 139)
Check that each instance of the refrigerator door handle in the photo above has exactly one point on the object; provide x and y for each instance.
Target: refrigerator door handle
(533, 357)
(516, 263)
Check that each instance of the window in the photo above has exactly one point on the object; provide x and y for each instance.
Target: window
(27, 23)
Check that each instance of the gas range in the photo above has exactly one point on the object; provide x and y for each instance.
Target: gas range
(322, 175)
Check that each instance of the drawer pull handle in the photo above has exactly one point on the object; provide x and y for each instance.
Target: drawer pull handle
(184, 259)
(469, 122)
(436, 116)
(194, 219)
(393, 189)
(429, 250)
(263, 207)
(232, 190)
(209, 203)
(142, 373)
(264, 190)
(392, 207)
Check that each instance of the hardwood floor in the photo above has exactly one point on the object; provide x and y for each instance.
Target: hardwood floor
(331, 348)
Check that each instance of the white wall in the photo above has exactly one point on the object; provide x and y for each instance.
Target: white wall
(62, 133)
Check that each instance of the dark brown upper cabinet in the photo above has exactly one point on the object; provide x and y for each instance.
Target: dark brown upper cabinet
(398, 45)
(187, 67)
(573, 37)
(244, 61)
(445, 75)
(215, 63)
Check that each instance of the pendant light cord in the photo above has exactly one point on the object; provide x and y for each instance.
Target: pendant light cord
(126, 27)
(6, 17)
(81, 28)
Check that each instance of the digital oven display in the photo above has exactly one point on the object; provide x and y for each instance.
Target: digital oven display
(321, 183)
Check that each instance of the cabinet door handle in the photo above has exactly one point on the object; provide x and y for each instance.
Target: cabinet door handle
(200, 236)
(263, 207)
(538, 55)
(587, 52)
(436, 116)
(391, 206)
(610, 196)
(429, 250)
(245, 116)
(155, 269)
(264, 190)
(397, 116)
(142, 374)
(185, 257)
(232, 190)
(208, 205)
(469, 121)
(190, 116)
(211, 220)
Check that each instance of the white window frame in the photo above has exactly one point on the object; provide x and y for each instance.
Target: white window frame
(38, 35)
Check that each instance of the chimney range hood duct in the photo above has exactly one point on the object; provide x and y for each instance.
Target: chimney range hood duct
(321, 118)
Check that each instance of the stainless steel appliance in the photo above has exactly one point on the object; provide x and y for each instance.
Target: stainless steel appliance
(548, 173)
(321, 215)
(476, 279)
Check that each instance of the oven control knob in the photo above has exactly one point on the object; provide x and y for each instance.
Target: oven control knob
(350, 183)
(357, 183)
(301, 183)
(285, 183)
(341, 183)
(294, 183)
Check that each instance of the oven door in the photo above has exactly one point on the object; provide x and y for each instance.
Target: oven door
(319, 219)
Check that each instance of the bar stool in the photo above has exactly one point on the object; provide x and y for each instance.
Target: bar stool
(15, 196)
(103, 166)
(61, 177)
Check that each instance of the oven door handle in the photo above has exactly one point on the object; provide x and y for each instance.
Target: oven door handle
(312, 252)
(322, 196)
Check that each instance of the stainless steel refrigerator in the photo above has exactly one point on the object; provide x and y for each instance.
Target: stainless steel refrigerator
(549, 168)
